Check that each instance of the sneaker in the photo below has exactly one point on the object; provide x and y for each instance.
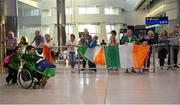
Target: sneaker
(176, 66)
(127, 71)
(7, 80)
(72, 70)
(82, 69)
(133, 71)
(145, 70)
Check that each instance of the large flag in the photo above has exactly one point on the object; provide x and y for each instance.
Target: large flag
(95, 55)
(122, 56)
(112, 56)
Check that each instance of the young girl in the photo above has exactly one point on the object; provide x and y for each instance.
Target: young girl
(71, 50)
(14, 65)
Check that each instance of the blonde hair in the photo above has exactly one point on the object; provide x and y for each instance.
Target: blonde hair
(48, 36)
(164, 32)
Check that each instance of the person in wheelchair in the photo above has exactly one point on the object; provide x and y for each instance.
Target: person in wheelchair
(40, 69)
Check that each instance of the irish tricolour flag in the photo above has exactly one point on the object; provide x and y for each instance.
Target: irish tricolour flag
(122, 56)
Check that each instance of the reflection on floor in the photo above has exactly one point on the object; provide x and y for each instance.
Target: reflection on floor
(88, 87)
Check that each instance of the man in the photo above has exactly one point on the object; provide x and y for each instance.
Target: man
(39, 40)
(83, 41)
(10, 42)
(129, 38)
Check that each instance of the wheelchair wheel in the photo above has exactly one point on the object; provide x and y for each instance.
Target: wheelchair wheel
(25, 79)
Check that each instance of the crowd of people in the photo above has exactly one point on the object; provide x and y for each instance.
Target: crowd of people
(169, 39)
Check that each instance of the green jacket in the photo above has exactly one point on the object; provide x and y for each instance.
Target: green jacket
(30, 61)
(126, 39)
(15, 61)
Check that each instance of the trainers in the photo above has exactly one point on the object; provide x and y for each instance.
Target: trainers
(127, 71)
(82, 69)
(72, 70)
(7, 80)
(176, 66)
(133, 71)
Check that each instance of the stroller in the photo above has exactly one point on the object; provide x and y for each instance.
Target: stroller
(34, 72)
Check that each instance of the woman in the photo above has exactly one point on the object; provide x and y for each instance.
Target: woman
(112, 40)
(48, 48)
(150, 40)
(173, 37)
(71, 50)
(163, 50)
(23, 43)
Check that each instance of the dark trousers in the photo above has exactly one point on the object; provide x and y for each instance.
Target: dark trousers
(12, 75)
(175, 55)
(84, 63)
(147, 62)
(92, 65)
(161, 61)
(162, 55)
(40, 50)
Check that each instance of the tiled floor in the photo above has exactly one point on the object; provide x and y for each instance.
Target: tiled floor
(162, 87)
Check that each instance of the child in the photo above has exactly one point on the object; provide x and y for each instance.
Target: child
(14, 65)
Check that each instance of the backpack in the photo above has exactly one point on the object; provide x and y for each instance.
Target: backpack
(7, 60)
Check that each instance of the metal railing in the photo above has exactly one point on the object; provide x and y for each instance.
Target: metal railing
(154, 66)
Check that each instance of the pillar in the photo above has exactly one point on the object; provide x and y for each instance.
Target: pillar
(61, 22)
(178, 11)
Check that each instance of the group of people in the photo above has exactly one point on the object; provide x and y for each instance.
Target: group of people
(87, 40)
(16, 50)
(168, 39)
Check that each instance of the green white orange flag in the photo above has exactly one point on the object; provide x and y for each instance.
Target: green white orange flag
(122, 56)
(95, 55)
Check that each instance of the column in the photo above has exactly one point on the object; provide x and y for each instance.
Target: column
(2, 29)
(178, 11)
(102, 27)
(61, 21)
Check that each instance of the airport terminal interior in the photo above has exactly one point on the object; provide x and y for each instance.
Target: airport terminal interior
(89, 52)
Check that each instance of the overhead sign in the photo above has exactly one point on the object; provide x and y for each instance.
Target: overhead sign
(156, 20)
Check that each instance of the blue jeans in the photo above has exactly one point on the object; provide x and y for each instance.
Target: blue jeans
(72, 59)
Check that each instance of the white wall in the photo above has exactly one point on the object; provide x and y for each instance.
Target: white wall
(135, 17)
(169, 7)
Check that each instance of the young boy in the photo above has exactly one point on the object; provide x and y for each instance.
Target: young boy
(14, 65)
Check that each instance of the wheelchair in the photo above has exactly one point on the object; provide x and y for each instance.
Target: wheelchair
(27, 79)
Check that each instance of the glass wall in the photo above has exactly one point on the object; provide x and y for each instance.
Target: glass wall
(29, 20)
(27, 10)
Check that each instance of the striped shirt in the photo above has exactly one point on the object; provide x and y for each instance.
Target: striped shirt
(10, 42)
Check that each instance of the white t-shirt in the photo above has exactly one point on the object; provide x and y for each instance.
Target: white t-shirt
(49, 44)
(71, 45)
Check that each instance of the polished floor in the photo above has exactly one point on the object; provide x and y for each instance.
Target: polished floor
(88, 87)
